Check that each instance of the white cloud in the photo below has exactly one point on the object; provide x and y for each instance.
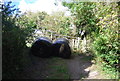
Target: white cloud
(41, 5)
(23, 6)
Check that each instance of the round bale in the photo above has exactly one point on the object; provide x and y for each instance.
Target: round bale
(42, 47)
(61, 48)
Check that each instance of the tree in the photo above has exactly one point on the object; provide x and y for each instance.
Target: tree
(84, 16)
(13, 41)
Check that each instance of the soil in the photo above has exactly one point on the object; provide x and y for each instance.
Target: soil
(79, 67)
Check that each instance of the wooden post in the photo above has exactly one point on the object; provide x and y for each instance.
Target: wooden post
(51, 35)
(78, 43)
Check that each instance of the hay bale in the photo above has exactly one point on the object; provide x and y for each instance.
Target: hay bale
(61, 48)
(42, 47)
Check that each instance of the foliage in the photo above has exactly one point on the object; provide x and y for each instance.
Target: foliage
(28, 23)
(106, 45)
(35, 18)
(57, 22)
(13, 41)
(84, 16)
(100, 21)
(17, 28)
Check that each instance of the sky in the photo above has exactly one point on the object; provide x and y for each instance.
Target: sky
(39, 5)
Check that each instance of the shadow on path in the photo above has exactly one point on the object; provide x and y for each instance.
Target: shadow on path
(39, 68)
(36, 68)
(78, 65)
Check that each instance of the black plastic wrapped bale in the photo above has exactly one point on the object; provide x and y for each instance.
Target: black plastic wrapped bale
(42, 47)
(61, 48)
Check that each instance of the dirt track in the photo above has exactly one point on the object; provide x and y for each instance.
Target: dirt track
(78, 67)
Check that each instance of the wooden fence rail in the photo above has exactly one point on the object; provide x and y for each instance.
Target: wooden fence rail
(75, 42)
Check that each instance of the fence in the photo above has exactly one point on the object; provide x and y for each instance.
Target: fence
(75, 42)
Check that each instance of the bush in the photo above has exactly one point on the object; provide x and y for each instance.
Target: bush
(13, 42)
(106, 45)
(100, 22)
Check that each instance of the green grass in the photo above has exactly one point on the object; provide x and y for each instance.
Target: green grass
(109, 73)
(87, 58)
(59, 69)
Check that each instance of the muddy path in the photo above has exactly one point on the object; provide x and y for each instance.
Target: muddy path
(78, 67)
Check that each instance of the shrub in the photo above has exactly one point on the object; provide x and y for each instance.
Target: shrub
(106, 45)
(13, 42)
